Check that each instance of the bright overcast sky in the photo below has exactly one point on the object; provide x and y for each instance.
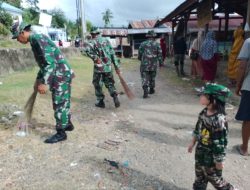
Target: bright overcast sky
(123, 10)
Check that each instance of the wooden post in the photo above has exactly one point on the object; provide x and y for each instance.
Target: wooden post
(186, 18)
(219, 24)
(247, 28)
(206, 28)
(133, 49)
(226, 23)
(173, 25)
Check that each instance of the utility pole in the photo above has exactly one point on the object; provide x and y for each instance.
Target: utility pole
(78, 17)
(83, 21)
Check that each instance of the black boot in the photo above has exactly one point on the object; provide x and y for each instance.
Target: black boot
(69, 127)
(177, 70)
(59, 136)
(100, 104)
(145, 94)
(151, 91)
(116, 101)
(182, 70)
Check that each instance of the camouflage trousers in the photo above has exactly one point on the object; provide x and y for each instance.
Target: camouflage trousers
(109, 82)
(205, 172)
(148, 79)
(61, 93)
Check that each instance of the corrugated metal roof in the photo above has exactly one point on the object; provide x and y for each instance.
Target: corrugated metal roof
(188, 4)
(11, 8)
(144, 31)
(114, 32)
(238, 6)
(144, 24)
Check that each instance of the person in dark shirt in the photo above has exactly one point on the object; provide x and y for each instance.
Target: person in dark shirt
(180, 48)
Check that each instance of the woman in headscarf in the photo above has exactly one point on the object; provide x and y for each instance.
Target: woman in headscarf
(196, 68)
(233, 62)
(209, 57)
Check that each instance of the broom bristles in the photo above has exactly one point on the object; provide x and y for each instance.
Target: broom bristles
(28, 108)
(127, 90)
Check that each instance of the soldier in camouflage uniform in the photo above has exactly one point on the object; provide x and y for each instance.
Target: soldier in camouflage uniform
(54, 72)
(210, 134)
(150, 55)
(101, 52)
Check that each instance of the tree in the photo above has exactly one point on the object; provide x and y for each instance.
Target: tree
(33, 3)
(88, 25)
(58, 18)
(5, 21)
(5, 18)
(15, 3)
(31, 16)
(107, 16)
(71, 30)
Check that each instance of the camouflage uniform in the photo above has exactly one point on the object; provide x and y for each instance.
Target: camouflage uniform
(150, 55)
(211, 133)
(100, 48)
(55, 72)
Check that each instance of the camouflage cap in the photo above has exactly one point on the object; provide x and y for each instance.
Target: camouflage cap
(95, 30)
(18, 28)
(218, 91)
(151, 33)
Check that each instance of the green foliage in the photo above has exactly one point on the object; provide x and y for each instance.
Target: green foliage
(72, 30)
(89, 26)
(3, 30)
(58, 18)
(33, 3)
(107, 16)
(31, 16)
(5, 18)
(15, 3)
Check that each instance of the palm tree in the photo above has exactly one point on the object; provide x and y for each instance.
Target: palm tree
(107, 16)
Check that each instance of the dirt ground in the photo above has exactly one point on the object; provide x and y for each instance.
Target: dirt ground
(148, 137)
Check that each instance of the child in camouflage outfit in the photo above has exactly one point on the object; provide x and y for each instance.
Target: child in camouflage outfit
(210, 135)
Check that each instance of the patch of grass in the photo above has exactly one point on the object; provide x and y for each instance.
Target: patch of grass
(18, 86)
(129, 63)
(9, 43)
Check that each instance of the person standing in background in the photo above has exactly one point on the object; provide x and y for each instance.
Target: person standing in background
(163, 48)
(180, 48)
(243, 90)
(233, 62)
(196, 68)
(209, 57)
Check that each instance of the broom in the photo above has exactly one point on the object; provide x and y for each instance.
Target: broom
(127, 90)
(28, 108)
(24, 122)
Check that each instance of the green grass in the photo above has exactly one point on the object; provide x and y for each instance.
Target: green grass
(18, 86)
(9, 43)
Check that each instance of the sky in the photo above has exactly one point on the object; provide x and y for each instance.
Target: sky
(123, 11)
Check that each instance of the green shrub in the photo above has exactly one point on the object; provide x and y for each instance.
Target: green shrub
(5, 18)
(3, 30)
